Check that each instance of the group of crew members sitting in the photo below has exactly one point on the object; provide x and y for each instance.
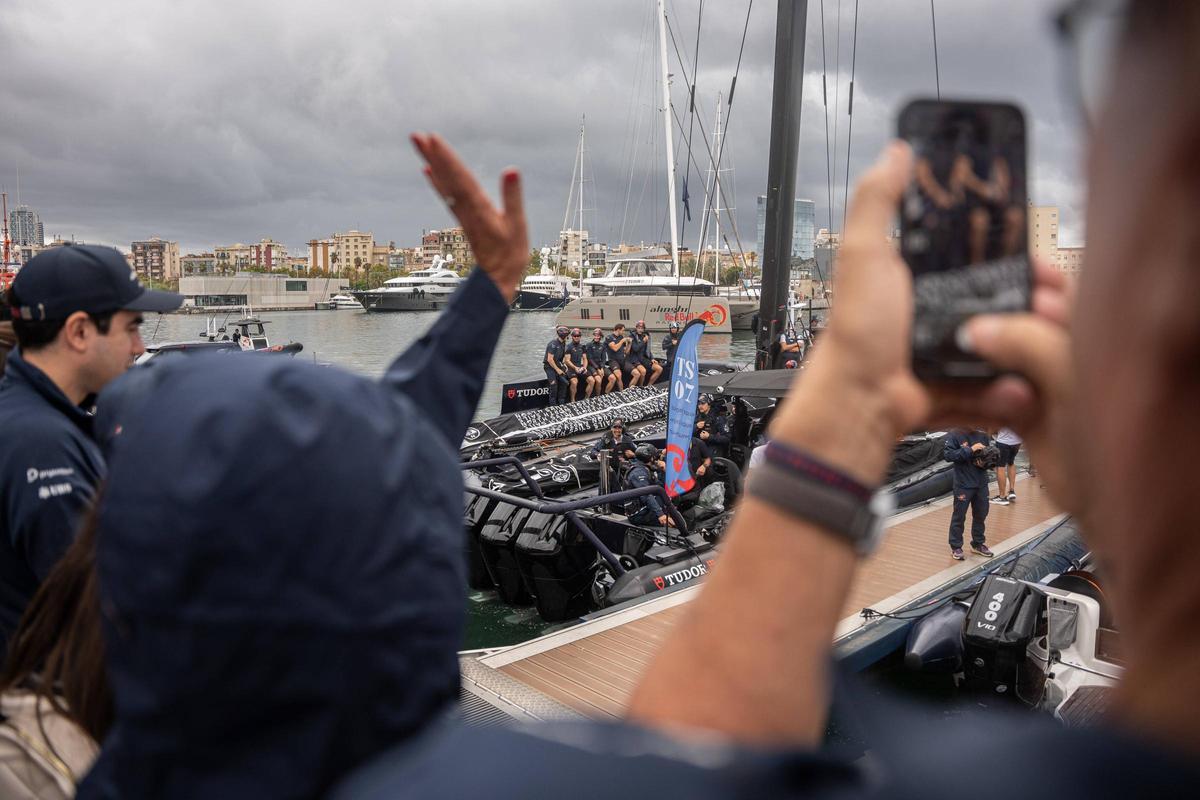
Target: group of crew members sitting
(634, 465)
(576, 370)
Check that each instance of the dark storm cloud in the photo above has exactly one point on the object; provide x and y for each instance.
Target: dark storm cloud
(219, 122)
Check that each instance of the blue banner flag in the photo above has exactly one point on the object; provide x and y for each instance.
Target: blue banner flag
(681, 409)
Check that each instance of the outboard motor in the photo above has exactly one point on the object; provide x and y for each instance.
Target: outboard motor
(557, 566)
(478, 511)
(497, 539)
(935, 642)
(1004, 617)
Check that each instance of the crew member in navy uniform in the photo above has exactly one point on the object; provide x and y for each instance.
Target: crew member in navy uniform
(556, 371)
(621, 449)
(575, 361)
(962, 448)
(76, 314)
(645, 472)
(618, 352)
(602, 377)
(670, 343)
(791, 348)
(640, 352)
(712, 427)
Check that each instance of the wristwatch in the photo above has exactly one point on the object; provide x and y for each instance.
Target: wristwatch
(803, 487)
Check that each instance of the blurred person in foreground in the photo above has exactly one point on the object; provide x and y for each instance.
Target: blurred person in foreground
(736, 701)
(269, 623)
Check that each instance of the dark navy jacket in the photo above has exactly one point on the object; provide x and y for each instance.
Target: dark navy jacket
(640, 475)
(280, 562)
(597, 354)
(576, 352)
(49, 468)
(557, 349)
(957, 449)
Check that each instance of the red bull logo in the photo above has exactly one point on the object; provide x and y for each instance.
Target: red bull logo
(715, 315)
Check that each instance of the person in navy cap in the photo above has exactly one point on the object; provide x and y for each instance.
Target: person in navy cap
(76, 315)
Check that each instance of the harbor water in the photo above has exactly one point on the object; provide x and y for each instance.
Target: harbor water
(367, 343)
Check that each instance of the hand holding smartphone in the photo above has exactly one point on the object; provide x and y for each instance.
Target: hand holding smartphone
(963, 226)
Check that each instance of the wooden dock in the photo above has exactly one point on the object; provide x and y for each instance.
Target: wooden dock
(591, 669)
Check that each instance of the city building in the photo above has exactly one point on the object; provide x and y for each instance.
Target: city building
(233, 257)
(267, 255)
(199, 264)
(1069, 259)
(804, 227)
(258, 290)
(353, 250)
(156, 259)
(25, 227)
(381, 254)
(320, 255)
(572, 247)
(454, 244)
(1043, 232)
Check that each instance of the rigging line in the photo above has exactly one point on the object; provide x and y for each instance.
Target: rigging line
(635, 118)
(692, 108)
(850, 115)
(724, 196)
(936, 73)
(837, 79)
(825, 102)
(729, 113)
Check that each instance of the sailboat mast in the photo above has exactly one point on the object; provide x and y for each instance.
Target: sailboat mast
(666, 92)
(790, 27)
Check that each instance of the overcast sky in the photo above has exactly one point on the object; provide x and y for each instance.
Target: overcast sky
(220, 121)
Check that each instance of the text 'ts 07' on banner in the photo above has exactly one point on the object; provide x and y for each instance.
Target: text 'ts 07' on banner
(681, 409)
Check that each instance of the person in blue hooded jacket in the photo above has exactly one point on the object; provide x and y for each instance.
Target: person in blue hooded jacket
(279, 562)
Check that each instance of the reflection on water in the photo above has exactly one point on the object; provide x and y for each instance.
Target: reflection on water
(367, 343)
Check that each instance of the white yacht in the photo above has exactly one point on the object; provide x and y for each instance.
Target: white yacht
(345, 301)
(424, 290)
(545, 291)
(641, 286)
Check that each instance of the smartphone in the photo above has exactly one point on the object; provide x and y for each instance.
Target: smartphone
(963, 226)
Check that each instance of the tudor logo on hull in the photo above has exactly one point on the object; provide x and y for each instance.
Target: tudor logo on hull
(683, 575)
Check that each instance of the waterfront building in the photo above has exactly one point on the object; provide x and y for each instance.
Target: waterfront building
(381, 254)
(804, 227)
(454, 244)
(321, 254)
(353, 250)
(258, 290)
(1069, 259)
(199, 264)
(572, 246)
(156, 259)
(1043, 232)
(25, 227)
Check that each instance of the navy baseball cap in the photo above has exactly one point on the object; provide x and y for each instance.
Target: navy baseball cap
(82, 277)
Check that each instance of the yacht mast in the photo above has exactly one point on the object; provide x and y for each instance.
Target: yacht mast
(666, 99)
(791, 18)
(717, 192)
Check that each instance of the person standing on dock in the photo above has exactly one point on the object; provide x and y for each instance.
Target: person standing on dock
(962, 448)
(1009, 444)
(575, 361)
(77, 312)
(618, 352)
(556, 370)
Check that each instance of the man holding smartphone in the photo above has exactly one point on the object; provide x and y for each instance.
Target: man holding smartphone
(962, 448)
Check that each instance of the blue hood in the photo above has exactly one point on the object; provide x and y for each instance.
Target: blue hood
(279, 554)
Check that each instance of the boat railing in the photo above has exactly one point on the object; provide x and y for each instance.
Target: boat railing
(570, 508)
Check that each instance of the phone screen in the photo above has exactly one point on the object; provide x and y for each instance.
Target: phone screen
(963, 225)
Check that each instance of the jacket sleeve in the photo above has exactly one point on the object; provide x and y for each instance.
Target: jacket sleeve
(47, 500)
(719, 433)
(639, 479)
(443, 372)
(953, 450)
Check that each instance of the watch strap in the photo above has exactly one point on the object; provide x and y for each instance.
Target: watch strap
(832, 509)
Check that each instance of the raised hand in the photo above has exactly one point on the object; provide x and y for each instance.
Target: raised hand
(499, 238)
